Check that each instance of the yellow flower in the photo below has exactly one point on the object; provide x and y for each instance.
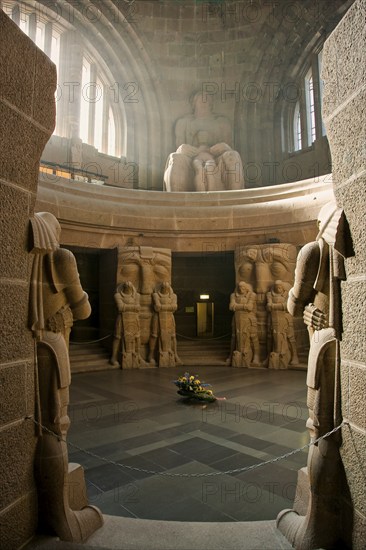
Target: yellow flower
(209, 392)
(191, 377)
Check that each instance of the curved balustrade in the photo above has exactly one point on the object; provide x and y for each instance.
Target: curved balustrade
(103, 216)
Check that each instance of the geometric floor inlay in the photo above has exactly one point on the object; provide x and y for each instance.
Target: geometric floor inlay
(135, 417)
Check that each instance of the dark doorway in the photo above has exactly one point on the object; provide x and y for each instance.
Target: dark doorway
(212, 274)
(97, 270)
(205, 319)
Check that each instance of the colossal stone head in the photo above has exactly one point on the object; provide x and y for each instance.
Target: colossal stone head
(145, 267)
(263, 264)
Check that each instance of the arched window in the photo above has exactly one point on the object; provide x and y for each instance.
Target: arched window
(84, 105)
(93, 90)
(310, 107)
(111, 132)
(321, 85)
(307, 123)
(297, 127)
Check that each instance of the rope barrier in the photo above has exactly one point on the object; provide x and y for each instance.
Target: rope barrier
(204, 474)
(203, 339)
(90, 341)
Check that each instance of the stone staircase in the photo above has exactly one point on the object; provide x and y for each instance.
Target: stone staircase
(120, 533)
(89, 358)
(193, 352)
(199, 351)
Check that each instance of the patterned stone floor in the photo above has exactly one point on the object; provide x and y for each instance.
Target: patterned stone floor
(136, 418)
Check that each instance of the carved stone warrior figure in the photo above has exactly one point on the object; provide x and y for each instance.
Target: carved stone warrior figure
(261, 265)
(165, 304)
(145, 267)
(244, 341)
(204, 159)
(316, 296)
(127, 329)
(56, 299)
(282, 327)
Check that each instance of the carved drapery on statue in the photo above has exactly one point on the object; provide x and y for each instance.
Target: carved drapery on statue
(204, 159)
(56, 299)
(261, 266)
(316, 295)
(146, 268)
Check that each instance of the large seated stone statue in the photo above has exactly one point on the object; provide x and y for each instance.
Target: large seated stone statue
(244, 342)
(204, 159)
(165, 304)
(56, 300)
(284, 350)
(316, 295)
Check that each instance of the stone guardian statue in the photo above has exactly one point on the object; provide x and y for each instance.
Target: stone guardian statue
(316, 295)
(284, 350)
(127, 329)
(56, 300)
(145, 267)
(244, 344)
(165, 304)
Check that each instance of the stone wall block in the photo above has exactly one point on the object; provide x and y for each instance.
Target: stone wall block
(353, 345)
(347, 140)
(359, 531)
(16, 201)
(345, 119)
(357, 391)
(352, 198)
(17, 448)
(18, 393)
(13, 386)
(16, 338)
(353, 452)
(27, 114)
(35, 101)
(343, 59)
(24, 52)
(44, 106)
(21, 140)
(345, 387)
(19, 522)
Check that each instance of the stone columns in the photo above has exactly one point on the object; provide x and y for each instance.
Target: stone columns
(344, 61)
(27, 118)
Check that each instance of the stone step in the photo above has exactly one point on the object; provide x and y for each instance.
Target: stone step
(146, 534)
(92, 367)
(202, 362)
(89, 358)
(76, 351)
(203, 352)
(89, 355)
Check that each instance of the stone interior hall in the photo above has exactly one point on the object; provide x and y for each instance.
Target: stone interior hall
(183, 273)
